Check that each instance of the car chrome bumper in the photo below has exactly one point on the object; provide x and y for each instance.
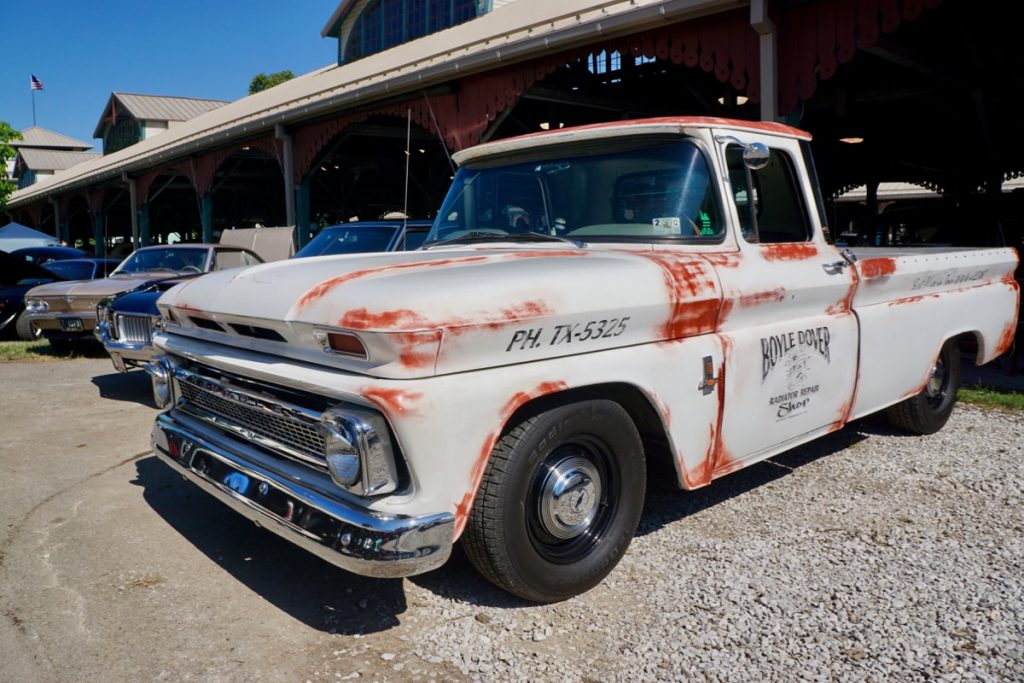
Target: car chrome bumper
(358, 540)
(124, 354)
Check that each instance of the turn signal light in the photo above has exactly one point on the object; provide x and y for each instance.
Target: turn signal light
(349, 344)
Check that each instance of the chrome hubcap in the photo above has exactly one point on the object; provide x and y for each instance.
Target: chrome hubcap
(934, 387)
(569, 497)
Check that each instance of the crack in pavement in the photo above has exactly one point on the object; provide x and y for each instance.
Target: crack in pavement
(16, 527)
(8, 610)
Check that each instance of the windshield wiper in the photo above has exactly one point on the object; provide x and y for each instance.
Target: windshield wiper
(484, 236)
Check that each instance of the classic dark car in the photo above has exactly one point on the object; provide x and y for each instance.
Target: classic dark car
(17, 276)
(126, 320)
(65, 312)
(43, 255)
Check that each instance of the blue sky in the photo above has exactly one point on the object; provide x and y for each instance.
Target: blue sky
(82, 51)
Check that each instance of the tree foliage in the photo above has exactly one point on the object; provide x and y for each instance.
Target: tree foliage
(262, 81)
(7, 134)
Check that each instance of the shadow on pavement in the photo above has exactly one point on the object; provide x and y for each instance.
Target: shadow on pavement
(131, 386)
(333, 600)
(316, 593)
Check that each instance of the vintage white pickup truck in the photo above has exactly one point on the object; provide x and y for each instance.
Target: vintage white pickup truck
(591, 298)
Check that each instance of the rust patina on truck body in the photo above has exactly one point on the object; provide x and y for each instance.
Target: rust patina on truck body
(590, 298)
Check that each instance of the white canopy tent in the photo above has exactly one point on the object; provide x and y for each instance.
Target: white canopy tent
(17, 236)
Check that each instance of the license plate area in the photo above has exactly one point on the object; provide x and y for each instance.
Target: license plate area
(71, 324)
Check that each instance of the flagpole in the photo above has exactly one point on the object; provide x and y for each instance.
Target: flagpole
(33, 107)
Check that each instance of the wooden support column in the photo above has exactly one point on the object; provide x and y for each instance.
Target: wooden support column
(302, 211)
(768, 52)
(133, 201)
(58, 227)
(206, 216)
(288, 170)
(144, 239)
(98, 221)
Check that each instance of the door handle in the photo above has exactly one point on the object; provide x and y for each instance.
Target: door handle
(835, 267)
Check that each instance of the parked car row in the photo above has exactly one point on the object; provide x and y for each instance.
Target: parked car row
(23, 269)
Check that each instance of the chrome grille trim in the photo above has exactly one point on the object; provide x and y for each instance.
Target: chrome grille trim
(133, 328)
(285, 427)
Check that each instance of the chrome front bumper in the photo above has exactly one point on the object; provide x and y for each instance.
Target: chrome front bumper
(288, 500)
(124, 354)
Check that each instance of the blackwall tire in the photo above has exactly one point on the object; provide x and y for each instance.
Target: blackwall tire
(26, 330)
(928, 411)
(559, 502)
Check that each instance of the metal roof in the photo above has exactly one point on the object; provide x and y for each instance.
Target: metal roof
(42, 137)
(519, 31)
(53, 159)
(155, 108)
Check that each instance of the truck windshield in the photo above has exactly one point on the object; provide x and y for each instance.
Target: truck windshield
(651, 190)
(164, 258)
(353, 239)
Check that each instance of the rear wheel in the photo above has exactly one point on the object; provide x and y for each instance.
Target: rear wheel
(559, 501)
(928, 411)
(26, 330)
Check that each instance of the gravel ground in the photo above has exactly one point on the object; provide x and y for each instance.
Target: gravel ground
(866, 555)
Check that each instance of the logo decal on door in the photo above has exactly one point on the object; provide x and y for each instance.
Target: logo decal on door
(790, 344)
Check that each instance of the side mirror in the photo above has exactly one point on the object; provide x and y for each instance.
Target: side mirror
(756, 156)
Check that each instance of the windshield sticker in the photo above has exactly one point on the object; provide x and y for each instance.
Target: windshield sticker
(669, 225)
(572, 333)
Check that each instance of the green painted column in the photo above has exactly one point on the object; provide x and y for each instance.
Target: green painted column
(302, 223)
(97, 234)
(206, 216)
(144, 239)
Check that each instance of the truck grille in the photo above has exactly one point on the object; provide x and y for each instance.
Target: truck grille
(287, 429)
(133, 328)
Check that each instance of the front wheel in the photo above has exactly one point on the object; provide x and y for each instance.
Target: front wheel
(26, 330)
(928, 411)
(559, 502)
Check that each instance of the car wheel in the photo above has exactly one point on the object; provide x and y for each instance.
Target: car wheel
(928, 411)
(26, 330)
(559, 502)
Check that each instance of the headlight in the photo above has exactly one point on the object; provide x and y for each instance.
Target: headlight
(30, 305)
(160, 373)
(103, 310)
(358, 449)
(42, 306)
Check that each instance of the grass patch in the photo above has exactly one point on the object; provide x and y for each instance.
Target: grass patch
(996, 398)
(21, 351)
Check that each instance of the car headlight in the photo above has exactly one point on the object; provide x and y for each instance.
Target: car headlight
(357, 446)
(160, 373)
(103, 309)
(42, 306)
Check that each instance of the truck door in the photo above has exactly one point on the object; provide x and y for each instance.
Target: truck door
(791, 338)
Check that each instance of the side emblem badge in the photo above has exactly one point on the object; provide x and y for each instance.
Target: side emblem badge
(709, 382)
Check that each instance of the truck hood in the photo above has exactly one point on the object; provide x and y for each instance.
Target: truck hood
(426, 312)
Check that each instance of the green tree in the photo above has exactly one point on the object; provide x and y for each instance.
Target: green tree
(7, 134)
(262, 81)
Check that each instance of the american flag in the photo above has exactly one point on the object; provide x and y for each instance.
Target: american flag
(35, 83)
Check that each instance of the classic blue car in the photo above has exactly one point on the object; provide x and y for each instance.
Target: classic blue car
(125, 322)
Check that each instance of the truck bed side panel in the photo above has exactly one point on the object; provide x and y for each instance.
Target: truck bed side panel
(909, 304)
